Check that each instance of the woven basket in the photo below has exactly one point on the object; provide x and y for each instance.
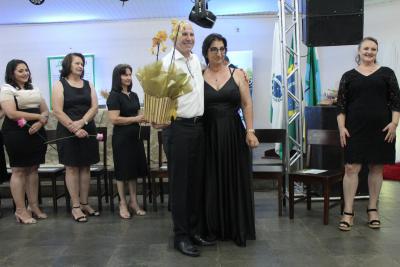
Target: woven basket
(157, 110)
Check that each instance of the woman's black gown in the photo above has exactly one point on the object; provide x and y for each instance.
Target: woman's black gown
(229, 192)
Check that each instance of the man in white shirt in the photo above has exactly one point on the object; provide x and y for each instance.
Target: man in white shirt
(186, 150)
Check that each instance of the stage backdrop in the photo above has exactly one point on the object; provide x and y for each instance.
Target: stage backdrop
(54, 67)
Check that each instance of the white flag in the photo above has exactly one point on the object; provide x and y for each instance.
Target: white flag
(276, 85)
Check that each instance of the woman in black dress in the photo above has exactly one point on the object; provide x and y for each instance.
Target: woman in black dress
(75, 105)
(368, 115)
(25, 145)
(229, 194)
(128, 151)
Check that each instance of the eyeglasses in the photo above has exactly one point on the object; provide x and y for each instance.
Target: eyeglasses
(215, 50)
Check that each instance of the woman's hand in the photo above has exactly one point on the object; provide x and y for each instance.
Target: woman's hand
(251, 140)
(343, 135)
(74, 126)
(35, 127)
(391, 132)
(139, 118)
(81, 133)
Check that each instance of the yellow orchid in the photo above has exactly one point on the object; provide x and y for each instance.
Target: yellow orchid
(158, 42)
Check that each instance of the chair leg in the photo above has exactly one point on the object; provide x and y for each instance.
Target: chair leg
(144, 192)
(284, 190)
(326, 202)
(111, 190)
(160, 180)
(54, 192)
(291, 198)
(100, 206)
(280, 195)
(105, 181)
(154, 193)
(308, 196)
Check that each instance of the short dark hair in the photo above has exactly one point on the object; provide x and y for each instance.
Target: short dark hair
(368, 38)
(10, 77)
(67, 62)
(208, 41)
(116, 77)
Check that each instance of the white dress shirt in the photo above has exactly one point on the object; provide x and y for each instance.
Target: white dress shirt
(192, 104)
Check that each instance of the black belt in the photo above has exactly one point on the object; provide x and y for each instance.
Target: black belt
(193, 120)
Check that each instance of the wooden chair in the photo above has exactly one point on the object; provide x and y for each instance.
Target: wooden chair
(100, 170)
(53, 173)
(144, 136)
(327, 178)
(160, 172)
(268, 169)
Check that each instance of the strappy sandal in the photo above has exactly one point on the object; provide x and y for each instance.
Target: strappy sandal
(124, 212)
(81, 219)
(346, 226)
(137, 211)
(373, 224)
(93, 213)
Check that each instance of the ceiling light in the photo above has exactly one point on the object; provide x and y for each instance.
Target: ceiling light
(37, 2)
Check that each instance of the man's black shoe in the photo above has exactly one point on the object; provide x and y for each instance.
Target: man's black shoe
(198, 240)
(186, 248)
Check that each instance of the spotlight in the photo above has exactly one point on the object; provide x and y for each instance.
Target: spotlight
(123, 2)
(201, 16)
(37, 2)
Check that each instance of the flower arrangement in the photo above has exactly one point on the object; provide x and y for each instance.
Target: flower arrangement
(163, 86)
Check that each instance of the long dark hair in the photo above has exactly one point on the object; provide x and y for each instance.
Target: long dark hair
(208, 41)
(10, 77)
(67, 62)
(368, 38)
(116, 77)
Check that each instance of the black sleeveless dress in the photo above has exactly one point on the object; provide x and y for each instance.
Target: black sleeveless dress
(23, 149)
(368, 102)
(128, 150)
(229, 193)
(77, 151)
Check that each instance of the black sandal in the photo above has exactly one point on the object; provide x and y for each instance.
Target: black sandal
(346, 226)
(94, 213)
(81, 219)
(373, 224)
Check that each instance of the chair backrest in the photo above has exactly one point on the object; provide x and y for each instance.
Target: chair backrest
(145, 136)
(272, 136)
(103, 130)
(322, 138)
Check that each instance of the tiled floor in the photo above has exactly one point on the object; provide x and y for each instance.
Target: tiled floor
(147, 241)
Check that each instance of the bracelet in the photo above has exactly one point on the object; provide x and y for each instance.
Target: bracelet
(250, 131)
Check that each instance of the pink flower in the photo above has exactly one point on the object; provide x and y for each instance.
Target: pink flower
(21, 122)
(99, 137)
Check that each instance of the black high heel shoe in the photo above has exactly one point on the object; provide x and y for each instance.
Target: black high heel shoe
(80, 219)
(373, 224)
(93, 213)
(346, 226)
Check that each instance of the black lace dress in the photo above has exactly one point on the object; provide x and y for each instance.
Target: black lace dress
(229, 193)
(368, 102)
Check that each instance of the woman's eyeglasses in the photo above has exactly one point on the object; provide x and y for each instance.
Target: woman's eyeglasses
(215, 50)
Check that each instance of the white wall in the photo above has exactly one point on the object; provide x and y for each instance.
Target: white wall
(129, 42)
